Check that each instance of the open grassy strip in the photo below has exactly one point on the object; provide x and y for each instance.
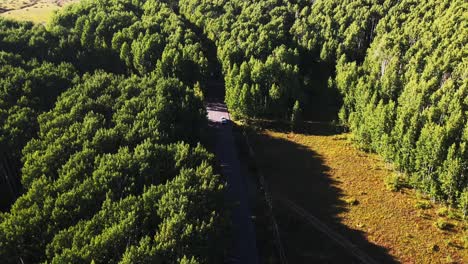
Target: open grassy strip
(37, 11)
(301, 242)
(15, 4)
(324, 173)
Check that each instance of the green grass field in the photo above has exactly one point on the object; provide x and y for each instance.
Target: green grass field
(37, 11)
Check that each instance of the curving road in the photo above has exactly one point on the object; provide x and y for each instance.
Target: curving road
(244, 249)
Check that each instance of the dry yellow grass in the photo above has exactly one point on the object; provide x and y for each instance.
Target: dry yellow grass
(13, 4)
(344, 187)
(37, 11)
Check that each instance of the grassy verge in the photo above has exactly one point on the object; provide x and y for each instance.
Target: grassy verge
(320, 170)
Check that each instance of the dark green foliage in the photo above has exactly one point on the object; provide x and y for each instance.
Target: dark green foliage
(407, 100)
(399, 65)
(26, 90)
(260, 62)
(25, 38)
(98, 152)
(269, 49)
(332, 28)
(111, 169)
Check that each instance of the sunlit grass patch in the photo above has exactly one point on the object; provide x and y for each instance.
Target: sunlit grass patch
(37, 11)
(15, 4)
(351, 201)
(443, 211)
(37, 14)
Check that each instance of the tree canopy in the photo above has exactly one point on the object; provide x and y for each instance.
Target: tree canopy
(101, 112)
(104, 121)
(399, 67)
(408, 99)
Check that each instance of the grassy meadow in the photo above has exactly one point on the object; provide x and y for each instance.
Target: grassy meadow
(323, 172)
(37, 11)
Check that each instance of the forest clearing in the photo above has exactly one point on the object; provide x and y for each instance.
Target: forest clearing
(322, 171)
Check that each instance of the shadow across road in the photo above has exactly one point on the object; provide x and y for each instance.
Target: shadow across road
(243, 249)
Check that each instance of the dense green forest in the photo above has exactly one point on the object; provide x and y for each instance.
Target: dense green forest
(259, 59)
(102, 114)
(28, 89)
(103, 121)
(408, 100)
(277, 52)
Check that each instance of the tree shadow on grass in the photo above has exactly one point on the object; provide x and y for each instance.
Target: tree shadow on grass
(299, 174)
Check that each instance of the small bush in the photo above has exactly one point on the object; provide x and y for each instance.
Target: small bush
(442, 224)
(422, 204)
(454, 215)
(442, 211)
(463, 203)
(451, 243)
(296, 116)
(395, 182)
(424, 215)
(351, 201)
